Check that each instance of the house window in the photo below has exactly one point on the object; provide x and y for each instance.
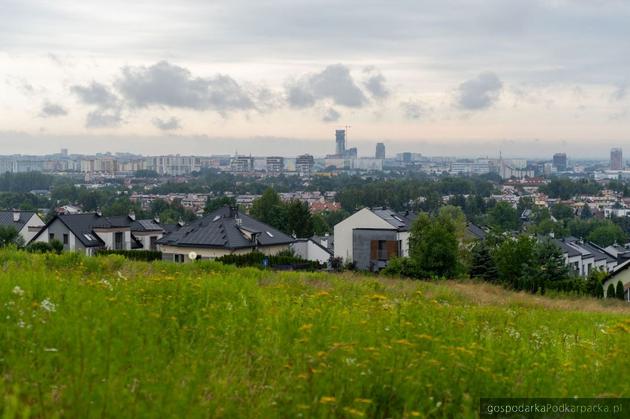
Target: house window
(51, 236)
(66, 239)
(152, 243)
(118, 241)
(384, 249)
(178, 258)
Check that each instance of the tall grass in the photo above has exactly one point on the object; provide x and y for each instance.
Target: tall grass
(106, 337)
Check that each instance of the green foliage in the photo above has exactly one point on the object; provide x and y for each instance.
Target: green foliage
(216, 203)
(483, 265)
(607, 234)
(24, 182)
(293, 218)
(256, 259)
(145, 173)
(619, 291)
(565, 188)
(524, 263)
(45, 247)
(503, 217)
(562, 212)
(84, 337)
(594, 283)
(610, 291)
(141, 255)
(10, 236)
(434, 245)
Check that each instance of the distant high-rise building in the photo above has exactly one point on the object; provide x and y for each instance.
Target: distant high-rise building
(616, 159)
(406, 157)
(304, 164)
(275, 164)
(340, 141)
(560, 162)
(64, 152)
(380, 151)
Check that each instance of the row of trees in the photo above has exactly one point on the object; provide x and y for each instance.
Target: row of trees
(293, 217)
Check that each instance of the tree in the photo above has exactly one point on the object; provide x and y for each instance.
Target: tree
(482, 264)
(299, 220)
(504, 217)
(619, 292)
(320, 226)
(594, 283)
(607, 234)
(514, 259)
(610, 291)
(216, 203)
(433, 246)
(586, 213)
(549, 264)
(562, 212)
(9, 235)
(270, 209)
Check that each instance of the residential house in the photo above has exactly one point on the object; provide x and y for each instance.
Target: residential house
(90, 232)
(582, 257)
(620, 273)
(316, 248)
(372, 236)
(26, 223)
(222, 232)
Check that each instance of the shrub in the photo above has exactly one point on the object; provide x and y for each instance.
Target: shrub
(284, 258)
(610, 291)
(141, 255)
(619, 293)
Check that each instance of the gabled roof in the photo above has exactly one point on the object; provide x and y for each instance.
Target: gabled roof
(6, 218)
(565, 248)
(226, 228)
(475, 231)
(400, 221)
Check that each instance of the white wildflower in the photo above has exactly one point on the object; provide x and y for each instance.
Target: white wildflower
(51, 350)
(18, 291)
(21, 324)
(48, 305)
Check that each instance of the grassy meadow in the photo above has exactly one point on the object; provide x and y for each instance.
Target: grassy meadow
(105, 337)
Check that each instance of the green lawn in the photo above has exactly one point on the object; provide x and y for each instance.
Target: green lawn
(103, 337)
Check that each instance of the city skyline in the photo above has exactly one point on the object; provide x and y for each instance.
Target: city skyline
(477, 78)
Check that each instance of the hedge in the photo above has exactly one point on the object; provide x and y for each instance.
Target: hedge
(142, 255)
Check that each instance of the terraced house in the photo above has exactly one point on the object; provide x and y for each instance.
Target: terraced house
(90, 232)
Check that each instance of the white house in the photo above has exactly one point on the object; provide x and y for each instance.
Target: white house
(621, 273)
(26, 223)
(316, 248)
(90, 232)
(370, 237)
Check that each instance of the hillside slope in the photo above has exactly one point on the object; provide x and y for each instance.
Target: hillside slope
(103, 337)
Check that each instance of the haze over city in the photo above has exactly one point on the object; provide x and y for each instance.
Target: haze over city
(527, 78)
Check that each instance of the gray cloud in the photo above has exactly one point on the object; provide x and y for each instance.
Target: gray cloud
(333, 83)
(164, 84)
(479, 93)
(167, 124)
(413, 109)
(375, 83)
(331, 115)
(102, 118)
(52, 110)
(95, 94)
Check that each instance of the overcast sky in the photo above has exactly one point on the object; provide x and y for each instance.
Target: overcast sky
(279, 76)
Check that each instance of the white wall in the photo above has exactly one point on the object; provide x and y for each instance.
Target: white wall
(364, 218)
(307, 249)
(31, 228)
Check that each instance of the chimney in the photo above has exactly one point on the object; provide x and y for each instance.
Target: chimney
(180, 222)
(16, 216)
(132, 216)
(99, 213)
(156, 219)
